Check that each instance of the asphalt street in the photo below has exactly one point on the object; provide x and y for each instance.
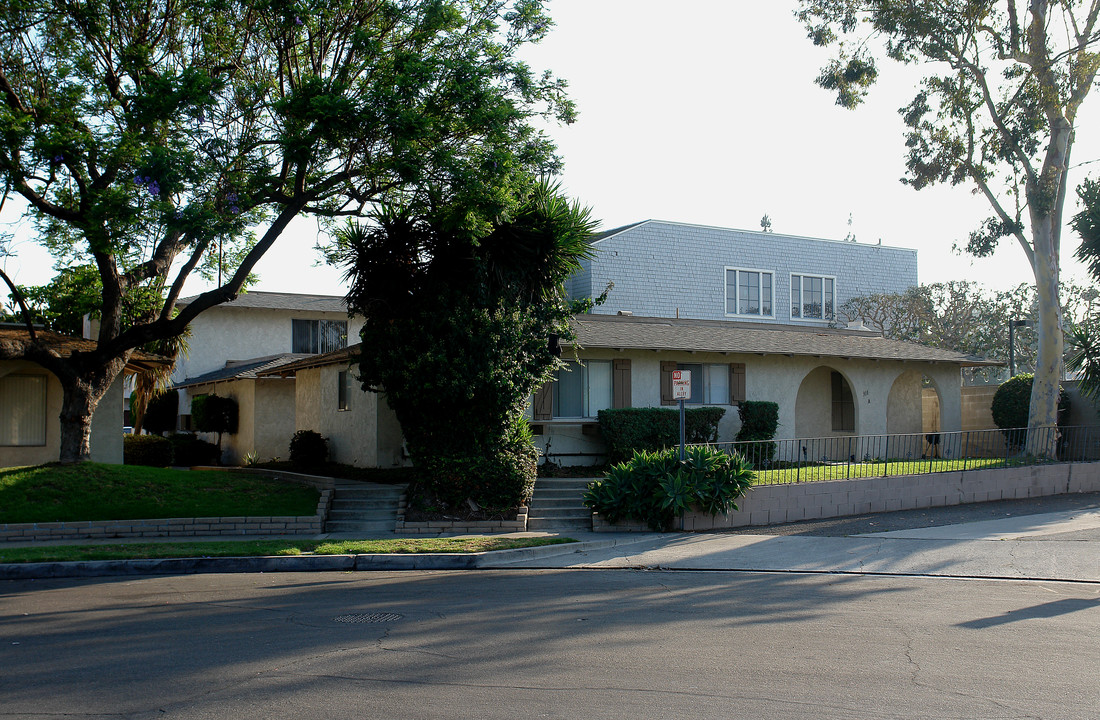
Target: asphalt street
(548, 644)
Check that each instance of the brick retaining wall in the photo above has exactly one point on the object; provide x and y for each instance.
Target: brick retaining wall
(477, 527)
(172, 527)
(772, 504)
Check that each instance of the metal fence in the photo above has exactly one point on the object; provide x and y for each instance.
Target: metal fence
(854, 456)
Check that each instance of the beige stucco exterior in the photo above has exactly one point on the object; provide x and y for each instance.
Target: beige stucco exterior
(265, 421)
(106, 438)
(366, 434)
(887, 395)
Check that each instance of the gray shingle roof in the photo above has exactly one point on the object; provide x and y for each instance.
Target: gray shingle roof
(643, 333)
(242, 369)
(283, 301)
(337, 357)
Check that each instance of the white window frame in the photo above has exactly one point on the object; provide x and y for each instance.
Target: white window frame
(587, 403)
(737, 294)
(802, 294)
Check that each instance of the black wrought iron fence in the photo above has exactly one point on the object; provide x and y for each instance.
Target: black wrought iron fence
(854, 456)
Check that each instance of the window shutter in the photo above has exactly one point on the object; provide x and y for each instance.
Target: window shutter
(620, 394)
(737, 383)
(543, 404)
(667, 367)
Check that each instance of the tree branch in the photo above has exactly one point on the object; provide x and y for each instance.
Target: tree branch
(23, 309)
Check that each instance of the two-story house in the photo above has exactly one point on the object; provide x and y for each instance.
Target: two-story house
(752, 316)
(230, 344)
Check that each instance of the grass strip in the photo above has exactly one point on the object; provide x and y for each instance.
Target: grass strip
(817, 472)
(260, 548)
(94, 491)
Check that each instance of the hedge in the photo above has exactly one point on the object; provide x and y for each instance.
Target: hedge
(151, 450)
(628, 430)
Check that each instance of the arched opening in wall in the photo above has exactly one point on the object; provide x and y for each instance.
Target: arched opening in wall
(825, 413)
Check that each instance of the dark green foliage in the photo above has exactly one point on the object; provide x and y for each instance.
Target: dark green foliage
(456, 333)
(657, 487)
(151, 450)
(629, 430)
(308, 449)
(214, 413)
(160, 415)
(1087, 225)
(497, 480)
(154, 140)
(1012, 402)
(189, 450)
(759, 422)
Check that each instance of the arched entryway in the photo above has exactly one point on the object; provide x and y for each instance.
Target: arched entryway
(825, 408)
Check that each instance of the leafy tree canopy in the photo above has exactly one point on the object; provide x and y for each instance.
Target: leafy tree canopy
(1004, 82)
(155, 140)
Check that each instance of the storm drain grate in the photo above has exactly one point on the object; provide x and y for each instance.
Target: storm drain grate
(368, 618)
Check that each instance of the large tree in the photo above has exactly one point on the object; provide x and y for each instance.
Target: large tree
(457, 333)
(157, 139)
(1005, 80)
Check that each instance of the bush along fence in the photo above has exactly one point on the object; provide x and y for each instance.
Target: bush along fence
(814, 478)
(841, 458)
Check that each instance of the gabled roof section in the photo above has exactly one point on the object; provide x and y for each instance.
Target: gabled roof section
(643, 333)
(242, 369)
(283, 301)
(14, 339)
(615, 231)
(336, 357)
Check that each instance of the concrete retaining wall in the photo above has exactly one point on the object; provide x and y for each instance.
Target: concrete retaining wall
(772, 504)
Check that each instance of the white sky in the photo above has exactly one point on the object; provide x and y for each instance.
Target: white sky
(706, 112)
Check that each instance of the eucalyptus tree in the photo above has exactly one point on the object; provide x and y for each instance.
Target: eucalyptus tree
(158, 139)
(997, 109)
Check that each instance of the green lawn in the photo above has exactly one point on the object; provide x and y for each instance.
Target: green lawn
(92, 491)
(814, 472)
(254, 548)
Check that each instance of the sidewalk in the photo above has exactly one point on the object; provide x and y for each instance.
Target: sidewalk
(1050, 538)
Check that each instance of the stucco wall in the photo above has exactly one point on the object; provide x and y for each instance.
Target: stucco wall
(221, 334)
(266, 410)
(667, 269)
(801, 387)
(106, 438)
(353, 433)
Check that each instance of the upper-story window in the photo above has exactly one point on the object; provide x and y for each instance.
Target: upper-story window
(812, 297)
(318, 336)
(749, 292)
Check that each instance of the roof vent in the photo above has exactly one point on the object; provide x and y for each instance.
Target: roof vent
(628, 313)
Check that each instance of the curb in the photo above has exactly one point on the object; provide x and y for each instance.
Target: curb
(298, 563)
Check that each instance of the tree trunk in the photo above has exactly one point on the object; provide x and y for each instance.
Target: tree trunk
(81, 394)
(1048, 365)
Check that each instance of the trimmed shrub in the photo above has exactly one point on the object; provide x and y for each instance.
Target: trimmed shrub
(630, 430)
(161, 413)
(151, 450)
(657, 487)
(214, 413)
(498, 480)
(759, 422)
(308, 449)
(1012, 403)
(189, 450)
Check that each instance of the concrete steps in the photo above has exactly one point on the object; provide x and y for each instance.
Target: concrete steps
(556, 505)
(360, 507)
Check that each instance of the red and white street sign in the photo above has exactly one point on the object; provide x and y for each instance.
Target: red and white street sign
(681, 384)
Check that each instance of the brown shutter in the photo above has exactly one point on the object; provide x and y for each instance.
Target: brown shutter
(543, 404)
(667, 367)
(737, 383)
(620, 393)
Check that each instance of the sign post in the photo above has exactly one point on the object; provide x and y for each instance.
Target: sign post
(681, 390)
